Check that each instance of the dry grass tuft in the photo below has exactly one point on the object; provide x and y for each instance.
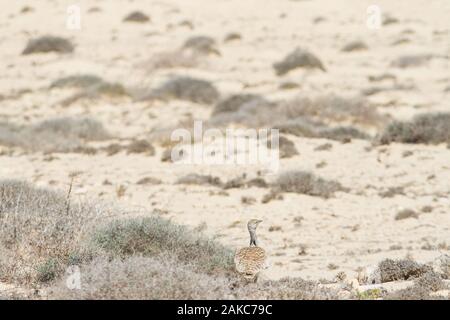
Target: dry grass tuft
(406, 214)
(235, 102)
(334, 108)
(185, 88)
(54, 135)
(202, 45)
(409, 61)
(287, 147)
(299, 58)
(306, 183)
(46, 44)
(77, 81)
(141, 146)
(137, 16)
(232, 36)
(356, 45)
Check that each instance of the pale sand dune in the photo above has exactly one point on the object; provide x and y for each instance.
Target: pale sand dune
(351, 230)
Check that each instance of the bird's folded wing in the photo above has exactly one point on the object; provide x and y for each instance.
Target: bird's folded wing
(250, 259)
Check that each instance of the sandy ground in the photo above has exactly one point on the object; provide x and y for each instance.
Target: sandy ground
(305, 236)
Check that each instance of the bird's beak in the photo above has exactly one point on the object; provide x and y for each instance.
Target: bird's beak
(259, 221)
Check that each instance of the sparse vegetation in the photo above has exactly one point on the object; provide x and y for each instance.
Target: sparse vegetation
(299, 58)
(356, 45)
(232, 36)
(77, 81)
(409, 61)
(198, 179)
(300, 116)
(425, 128)
(394, 270)
(137, 16)
(235, 102)
(406, 214)
(286, 147)
(141, 146)
(431, 281)
(306, 183)
(201, 45)
(46, 44)
(53, 135)
(185, 88)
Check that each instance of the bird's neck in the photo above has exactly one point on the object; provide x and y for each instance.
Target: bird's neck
(253, 239)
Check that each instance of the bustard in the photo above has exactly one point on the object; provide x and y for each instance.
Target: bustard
(250, 260)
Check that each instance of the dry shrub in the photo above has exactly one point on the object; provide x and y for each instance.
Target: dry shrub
(232, 36)
(334, 108)
(306, 183)
(77, 81)
(137, 16)
(185, 88)
(234, 102)
(431, 281)
(141, 146)
(389, 19)
(382, 77)
(409, 61)
(46, 44)
(392, 192)
(54, 135)
(154, 235)
(299, 58)
(40, 231)
(422, 289)
(406, 214)
(198, 179)
(203, 45)
(430, 128)
(148, 180)
(394, 270)
(243, 182)
(411, 293)
(356, 45)
(287, 147)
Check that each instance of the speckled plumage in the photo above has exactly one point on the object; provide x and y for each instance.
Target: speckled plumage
(250, 260)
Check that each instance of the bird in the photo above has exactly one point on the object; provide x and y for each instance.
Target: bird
(250, 260)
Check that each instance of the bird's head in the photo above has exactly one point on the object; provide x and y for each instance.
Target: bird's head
(253, 224)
